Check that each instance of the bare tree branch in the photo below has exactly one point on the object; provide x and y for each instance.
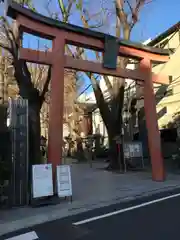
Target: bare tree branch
(65, 11)
(5, 47)
(9, 38)
(135, 11)
(120, 11)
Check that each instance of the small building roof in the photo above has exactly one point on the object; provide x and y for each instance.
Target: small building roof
(165, 34)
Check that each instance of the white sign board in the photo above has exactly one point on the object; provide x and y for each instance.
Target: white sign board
(64, 185)
(42, 185)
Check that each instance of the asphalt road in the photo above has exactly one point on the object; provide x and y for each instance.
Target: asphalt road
(148, 218)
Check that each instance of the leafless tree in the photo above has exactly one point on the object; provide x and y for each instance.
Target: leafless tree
(10, 41)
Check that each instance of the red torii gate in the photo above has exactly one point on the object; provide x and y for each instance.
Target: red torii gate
(61, 34)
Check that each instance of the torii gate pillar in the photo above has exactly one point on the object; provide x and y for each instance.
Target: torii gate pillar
(56, 104)
(154, 141)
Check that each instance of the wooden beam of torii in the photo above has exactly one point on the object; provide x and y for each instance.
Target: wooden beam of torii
(61, 34)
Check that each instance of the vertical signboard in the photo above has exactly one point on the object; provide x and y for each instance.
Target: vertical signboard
(42, 180)
(133, 154)
(64, 184)
(18, 125)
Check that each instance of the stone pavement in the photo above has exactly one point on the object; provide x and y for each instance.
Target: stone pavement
(92, 188)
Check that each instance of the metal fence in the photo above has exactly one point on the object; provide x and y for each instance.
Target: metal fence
(18, 126)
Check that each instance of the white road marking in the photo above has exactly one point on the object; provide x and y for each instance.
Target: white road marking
(125, 210)
(27, 236)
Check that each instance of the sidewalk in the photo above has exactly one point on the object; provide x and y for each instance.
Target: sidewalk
(92, 188)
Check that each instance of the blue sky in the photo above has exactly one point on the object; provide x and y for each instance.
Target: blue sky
(155, 18)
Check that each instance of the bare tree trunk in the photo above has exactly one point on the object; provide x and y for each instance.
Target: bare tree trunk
(116, 157)
(1, 80)
(27, 91)
(34, 134)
